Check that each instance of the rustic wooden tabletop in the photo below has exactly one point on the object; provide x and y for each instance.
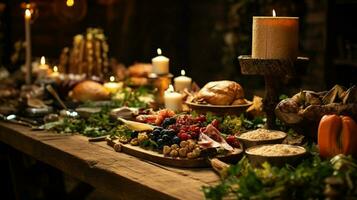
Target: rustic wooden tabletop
(97, 164)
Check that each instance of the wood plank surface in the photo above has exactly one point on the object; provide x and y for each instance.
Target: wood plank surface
(121, 175)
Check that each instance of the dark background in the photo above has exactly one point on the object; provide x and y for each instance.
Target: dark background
(203, 37)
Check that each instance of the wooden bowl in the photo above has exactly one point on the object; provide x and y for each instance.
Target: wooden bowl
(219, 109)
(279, 161)
(247, 143)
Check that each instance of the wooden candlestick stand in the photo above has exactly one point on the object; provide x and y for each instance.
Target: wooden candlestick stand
(160, 83)
(274, 71)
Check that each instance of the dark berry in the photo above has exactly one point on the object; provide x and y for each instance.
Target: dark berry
(134, 134)
(166, 138)
(156, 132)
(176, 140)
(158, 128)
(168, 121)
(160, 143)
(171, 133)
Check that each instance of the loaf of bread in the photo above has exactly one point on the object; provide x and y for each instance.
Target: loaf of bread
(140, 70)
(220, 93)
(89, 91)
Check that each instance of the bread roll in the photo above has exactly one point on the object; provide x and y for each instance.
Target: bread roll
(140, 70)
(89, 91)
(221, 92)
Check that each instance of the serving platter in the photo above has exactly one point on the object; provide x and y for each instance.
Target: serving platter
(156, 157)
(219, 109)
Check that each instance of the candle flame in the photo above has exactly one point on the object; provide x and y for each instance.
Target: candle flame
(170, 89)
(43, 60)
(159, 52)
(183, 72)
(70, 3)
(112, 78)
(27, 13)
(274, 13)
(55, 69)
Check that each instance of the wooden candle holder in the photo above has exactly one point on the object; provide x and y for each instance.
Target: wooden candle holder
(274, 71)
(160, 83)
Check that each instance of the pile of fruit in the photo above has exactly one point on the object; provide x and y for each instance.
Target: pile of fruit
(183, 135)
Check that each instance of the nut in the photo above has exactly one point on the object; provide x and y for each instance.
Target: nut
(174, 153)
(166, 150)
(190, 155)
(134, 142)
(183, 152)
(117, 147)
(142, 137)
(183, 144)
(175, 146)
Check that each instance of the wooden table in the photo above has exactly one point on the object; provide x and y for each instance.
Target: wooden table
(97, 164)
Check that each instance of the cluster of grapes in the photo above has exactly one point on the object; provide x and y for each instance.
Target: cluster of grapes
(188, 127)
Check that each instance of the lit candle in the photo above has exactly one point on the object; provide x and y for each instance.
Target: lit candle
(160, 64)
(173, 100)
(182, 82)
(275, 37)
(55, 74)
(28, 46)
(43, 69)
(112, 86)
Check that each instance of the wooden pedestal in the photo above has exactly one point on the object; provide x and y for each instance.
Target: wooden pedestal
(274, 71)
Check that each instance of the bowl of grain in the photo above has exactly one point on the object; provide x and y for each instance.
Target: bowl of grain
(261, 136)
(275, 154)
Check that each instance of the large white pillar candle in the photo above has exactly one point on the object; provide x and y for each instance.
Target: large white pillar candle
(160, 64)
(275, 37)
(182, 82)
(173, 100)
(28, 46)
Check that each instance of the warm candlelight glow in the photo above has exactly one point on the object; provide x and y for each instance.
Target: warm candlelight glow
(55, 69)
(112, 78)
(159, 52)
(183, 72)
(274, 13)
(70, 3)
(170, 89)
(43, 60)
(27, 14)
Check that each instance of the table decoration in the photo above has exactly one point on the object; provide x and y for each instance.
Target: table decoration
(275, 37)
(173, 100)
(28, 45)
(113, 86)
(182, 82)
(160, 64)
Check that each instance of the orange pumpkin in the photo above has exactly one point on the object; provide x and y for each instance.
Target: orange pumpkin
(336, 135)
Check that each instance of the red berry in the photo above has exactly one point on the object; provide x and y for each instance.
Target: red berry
(194, 135)
(184, 136)
(215, 123)
(201, 118)
(232, 140)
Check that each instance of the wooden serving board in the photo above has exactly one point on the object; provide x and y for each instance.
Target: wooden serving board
(156, 157)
